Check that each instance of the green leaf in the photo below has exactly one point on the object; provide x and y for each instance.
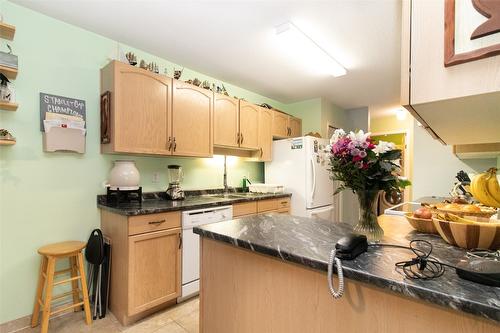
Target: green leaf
(391, 155)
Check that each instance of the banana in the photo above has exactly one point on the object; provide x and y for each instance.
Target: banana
(480, 191)
(493, 186)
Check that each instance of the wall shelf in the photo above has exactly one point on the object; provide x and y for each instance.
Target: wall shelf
(7, 31)
(8, 106)
(484, 150)
(7, 142)
(11, 73)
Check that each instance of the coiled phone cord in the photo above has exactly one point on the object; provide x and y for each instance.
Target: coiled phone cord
(336, 294)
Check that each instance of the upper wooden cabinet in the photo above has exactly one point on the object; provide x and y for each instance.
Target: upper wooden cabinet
(265, 134)
(192, 119)
(280, 124)
(140, 118)
(457, 104)
(295, 125)
(249, 125)
(226, 121)
(154, 114)
(286, 126)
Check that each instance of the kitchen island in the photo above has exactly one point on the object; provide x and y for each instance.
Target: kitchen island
(267, 273)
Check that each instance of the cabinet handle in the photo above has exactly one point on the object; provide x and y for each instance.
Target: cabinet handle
(241, 138)
(169, 143)
(180, 241)
(261, 152)
(284, 202)
(238, 138)
(157, 222)
(175, 144)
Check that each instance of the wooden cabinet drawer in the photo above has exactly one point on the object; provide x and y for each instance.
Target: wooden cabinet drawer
(267, 205)
(244, 208)
(283, 211)
(283, 203)
(153, 222)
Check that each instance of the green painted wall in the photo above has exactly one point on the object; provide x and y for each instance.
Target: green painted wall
(50, 197)
(310, 113)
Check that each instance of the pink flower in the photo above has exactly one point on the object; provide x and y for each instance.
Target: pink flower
(359, 164)
(357, 158)
(355, 152)
(362, 154)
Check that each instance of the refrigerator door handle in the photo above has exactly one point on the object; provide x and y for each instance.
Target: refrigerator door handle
(313, 169)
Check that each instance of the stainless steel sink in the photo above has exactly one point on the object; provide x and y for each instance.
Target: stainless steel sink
(226, 196)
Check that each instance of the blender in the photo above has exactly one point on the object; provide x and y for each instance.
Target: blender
(175, 175)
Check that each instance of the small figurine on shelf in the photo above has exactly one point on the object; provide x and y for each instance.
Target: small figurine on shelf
(143, 65)
(205, 84)
(156, 68)
(196, 82)
(178, 73)
(5, 135)
(5, 92)
(132, 59)
(224, 90)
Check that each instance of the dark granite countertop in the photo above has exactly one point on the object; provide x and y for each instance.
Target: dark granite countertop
(308, 242)
(156, 202)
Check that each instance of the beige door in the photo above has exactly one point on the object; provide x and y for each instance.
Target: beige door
(226, 121)
(280, 124)
(141, 111)
(154, 269)
(295, 125)
(265, 134)
(249, 125)
(192, 117)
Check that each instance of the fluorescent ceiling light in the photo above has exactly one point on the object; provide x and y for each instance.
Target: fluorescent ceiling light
(302, 47)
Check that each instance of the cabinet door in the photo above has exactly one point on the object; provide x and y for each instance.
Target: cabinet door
(154, 269)
(280, 124)
(265, 134)
(192, 117)
(295, 125)
(226, 121)
(142, 106)
(249, 125)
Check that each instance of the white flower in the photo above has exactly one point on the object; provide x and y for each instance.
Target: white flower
(359, 137)
(337, 135)
(383, 147)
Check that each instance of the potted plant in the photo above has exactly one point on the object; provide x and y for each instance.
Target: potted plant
(365, 168)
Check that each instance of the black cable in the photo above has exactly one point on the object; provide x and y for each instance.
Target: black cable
(421, 267)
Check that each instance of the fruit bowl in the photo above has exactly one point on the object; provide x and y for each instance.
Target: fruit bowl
(421, 225)
(475, 235)
(465, 210)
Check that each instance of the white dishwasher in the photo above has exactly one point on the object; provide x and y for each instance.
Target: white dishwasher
(191, 244)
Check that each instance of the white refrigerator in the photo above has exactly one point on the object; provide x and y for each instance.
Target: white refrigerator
(301, 166)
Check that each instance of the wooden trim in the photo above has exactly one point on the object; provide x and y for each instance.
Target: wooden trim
(450, 57)
(482, 150)
(7, 31)
(8, 106)
(10, 72)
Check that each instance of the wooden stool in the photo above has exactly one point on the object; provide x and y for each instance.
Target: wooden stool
(50, 253)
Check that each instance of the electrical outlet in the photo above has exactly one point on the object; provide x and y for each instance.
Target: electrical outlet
(156, 177)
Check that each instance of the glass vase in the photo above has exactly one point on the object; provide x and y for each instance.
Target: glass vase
(368, 223)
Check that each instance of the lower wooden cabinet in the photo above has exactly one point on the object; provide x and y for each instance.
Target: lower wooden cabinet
(145, 262)
(154, 269)
(277, 205)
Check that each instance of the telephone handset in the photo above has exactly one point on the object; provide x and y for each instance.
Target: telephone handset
(347, 248)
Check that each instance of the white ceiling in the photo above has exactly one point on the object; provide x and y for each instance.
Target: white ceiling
(234, 41)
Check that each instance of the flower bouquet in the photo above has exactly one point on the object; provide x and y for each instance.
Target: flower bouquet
(365, 168)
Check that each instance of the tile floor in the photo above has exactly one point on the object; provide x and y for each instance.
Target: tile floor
(182, 318)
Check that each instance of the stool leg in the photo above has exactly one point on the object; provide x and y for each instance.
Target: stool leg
(39, 292)
(74, 283)
(86, 305)
(48, 294)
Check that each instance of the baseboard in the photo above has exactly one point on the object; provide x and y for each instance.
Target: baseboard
(25, 322)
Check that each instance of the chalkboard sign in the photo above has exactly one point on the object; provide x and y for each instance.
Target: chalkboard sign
(61, 105)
